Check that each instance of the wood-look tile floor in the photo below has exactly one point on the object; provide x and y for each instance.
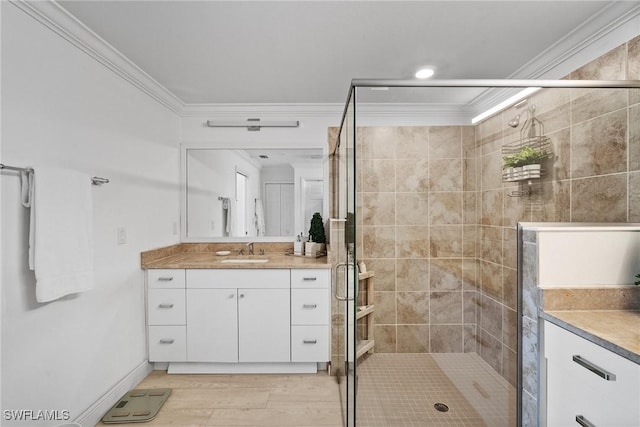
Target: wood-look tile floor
(309, 400)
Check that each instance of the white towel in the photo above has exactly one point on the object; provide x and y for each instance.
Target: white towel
(61, 233)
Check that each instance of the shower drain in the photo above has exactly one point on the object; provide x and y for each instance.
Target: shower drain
(441, 407)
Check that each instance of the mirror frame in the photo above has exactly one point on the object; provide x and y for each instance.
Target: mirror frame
(185, 146)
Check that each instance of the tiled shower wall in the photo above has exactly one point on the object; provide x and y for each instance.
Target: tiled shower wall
(413, 201)
(592, 176)
(437, 224)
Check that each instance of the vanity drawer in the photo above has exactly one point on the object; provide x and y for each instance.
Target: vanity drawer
(167, 343)
(309, 343)
(166, 307)
(311, 278)
(238, 278)
(166, 279)
(310, 306)
(575, 383)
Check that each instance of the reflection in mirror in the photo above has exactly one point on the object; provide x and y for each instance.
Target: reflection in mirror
(252, 193)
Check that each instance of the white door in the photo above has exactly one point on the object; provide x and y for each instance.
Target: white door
(279, 209)
(287, 203)
(264, 325)
(212, 325)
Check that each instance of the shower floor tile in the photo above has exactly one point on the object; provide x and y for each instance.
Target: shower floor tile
(402, 389)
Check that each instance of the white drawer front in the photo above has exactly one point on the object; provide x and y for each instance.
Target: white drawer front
(166, 307)
(309, 343)
(573, 389)
(167, 344)
(166, 279)
(238, 278)
(311, 278)
(310, 306)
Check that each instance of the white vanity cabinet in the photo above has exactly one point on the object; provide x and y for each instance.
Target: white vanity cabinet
(310, 315)
(239, 319)
(238, 315)
(166, 315)
(587, 384)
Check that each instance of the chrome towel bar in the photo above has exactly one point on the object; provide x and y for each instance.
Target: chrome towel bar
(95, 180)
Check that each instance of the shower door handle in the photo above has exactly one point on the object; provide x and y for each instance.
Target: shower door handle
(344, 297)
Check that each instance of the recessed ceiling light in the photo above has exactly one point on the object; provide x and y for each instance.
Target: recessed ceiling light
(425, 73)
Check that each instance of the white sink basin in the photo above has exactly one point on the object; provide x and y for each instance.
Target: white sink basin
(245, 260)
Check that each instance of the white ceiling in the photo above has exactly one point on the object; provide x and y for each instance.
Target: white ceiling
(308, 51)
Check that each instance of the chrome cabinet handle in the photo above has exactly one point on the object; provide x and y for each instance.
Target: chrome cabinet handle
(309, 341)
(309, 305)
(603, 373)
(165, 279)
(309, 279)
(165, 306)
(232, 296)
(584, 422)
(241, 295)
(167, 341)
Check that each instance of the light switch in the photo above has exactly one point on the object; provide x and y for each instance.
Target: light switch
(122, 235)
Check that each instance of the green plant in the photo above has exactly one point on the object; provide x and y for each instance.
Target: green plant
(637, 282)
(316, 231)
(526, 156)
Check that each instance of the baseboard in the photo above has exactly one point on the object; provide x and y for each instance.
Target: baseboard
(242, 368)
(95, 412)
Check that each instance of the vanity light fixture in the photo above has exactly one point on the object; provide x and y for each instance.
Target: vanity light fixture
(425, 73)
(504, 104)
(253, 124)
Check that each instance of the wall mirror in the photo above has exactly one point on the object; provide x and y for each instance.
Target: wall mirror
(251, 194)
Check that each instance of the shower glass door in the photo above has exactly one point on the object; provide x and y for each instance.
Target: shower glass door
(343, 168)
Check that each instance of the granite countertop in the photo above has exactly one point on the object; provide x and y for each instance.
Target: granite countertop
(211, 260)
(203, 255)
(615, 330)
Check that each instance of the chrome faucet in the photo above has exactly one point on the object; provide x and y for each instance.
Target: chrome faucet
(250, 245)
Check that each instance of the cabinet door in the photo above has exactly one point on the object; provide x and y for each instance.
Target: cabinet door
(264, 325)
(212, 325)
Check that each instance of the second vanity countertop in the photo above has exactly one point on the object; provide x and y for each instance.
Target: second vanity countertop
(194, 255)
(615, 330)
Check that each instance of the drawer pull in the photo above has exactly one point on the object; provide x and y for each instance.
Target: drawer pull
(594, 368)
(309, 279)
(584, 422)
(310, 341)
(165, 306)
(165, 279)
(309, 305)
(167, 341)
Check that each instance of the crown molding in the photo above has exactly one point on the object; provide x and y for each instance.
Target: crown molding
(612, 26)
(408, 112)
(272, 111)
(67, 26)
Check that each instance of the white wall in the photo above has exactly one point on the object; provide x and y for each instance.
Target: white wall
(585, 258)
(62, 108)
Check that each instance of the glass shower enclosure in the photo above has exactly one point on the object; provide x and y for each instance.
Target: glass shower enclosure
(427, 193)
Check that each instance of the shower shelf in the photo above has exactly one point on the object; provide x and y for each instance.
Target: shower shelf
(366, 309)
(524, 175)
